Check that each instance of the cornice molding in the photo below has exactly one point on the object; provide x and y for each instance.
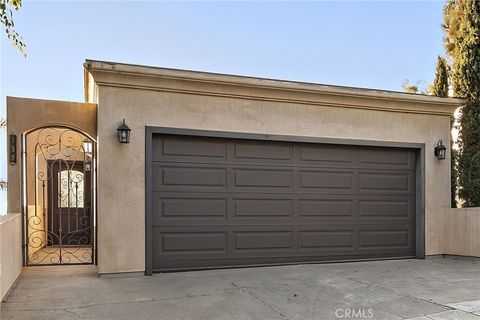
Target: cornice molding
(240, 87)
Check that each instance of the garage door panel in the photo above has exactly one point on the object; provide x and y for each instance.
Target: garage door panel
(326, 181)
(193, 264)
(184, 207)
(325, 208)
(384, 158)
(386, 182)
(167, 177)
(385, 208)
(384, 238)
(239, 258)
(280, 221)
(262, 240)
(193, 177)
(191, 241)
(194, 207)
(230, 209)
(326, 239)
(231, 202)
(326, 155)
(264, 207)
(263, 179)
(255, 151)
(264, 245)
(183, 148)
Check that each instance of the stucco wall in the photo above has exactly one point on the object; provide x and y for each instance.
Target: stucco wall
(147, 96)
(462, 231)
(25, 114)
(10, 251)
(121, 224)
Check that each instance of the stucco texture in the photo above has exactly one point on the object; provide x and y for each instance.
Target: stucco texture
(184, 103)
(10, 251)
(461, 232)
(25, 115)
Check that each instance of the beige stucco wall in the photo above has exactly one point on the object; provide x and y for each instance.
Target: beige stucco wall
(462, 231)
(181, 99)
(159, 100)
(25, 114)
(10, 251)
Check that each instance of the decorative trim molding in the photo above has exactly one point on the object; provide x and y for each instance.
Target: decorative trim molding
(167, 80)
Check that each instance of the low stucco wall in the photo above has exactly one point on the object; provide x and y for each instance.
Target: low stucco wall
(10, 251)
(461, 234)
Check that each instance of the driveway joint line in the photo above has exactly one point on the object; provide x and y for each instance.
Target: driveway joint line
(253, 295)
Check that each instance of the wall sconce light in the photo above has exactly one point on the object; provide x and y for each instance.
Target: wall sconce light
(123, 133)
(440, 150)
(87, 146)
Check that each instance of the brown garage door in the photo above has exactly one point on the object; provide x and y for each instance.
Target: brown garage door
(230, 202)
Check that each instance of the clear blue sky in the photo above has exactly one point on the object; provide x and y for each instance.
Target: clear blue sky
(365, 44)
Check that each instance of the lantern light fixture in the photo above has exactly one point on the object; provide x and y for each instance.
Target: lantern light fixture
(123, 133)
(87, 146)
(440, 150)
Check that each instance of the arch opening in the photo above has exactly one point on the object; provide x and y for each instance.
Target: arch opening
(58, 194)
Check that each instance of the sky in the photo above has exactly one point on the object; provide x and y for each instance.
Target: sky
(376, 44)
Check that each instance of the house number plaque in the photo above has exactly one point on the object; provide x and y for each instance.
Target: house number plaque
(12, 147)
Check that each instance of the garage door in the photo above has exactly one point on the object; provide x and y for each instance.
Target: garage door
(234, 202)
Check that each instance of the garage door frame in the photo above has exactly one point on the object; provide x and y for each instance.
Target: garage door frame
(419, 171)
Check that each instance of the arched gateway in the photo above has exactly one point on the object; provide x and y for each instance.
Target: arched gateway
(58, 195)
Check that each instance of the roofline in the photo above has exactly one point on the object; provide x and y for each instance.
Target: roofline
(249, 81)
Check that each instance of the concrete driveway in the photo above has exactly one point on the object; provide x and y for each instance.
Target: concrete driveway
(435, 288)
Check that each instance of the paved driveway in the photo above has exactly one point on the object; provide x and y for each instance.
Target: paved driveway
(435, 288)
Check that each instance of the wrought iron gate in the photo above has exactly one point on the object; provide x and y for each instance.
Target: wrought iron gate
(59, 203)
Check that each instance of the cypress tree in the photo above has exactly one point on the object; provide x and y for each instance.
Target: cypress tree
(453, 174)
(462, 42)
(440, 84)
(440, 87)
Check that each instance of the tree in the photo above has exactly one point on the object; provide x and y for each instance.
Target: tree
(6, 19)
(462, 39)
(440, 87)
(462, 43)
(418, 87)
